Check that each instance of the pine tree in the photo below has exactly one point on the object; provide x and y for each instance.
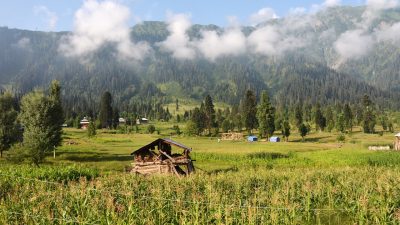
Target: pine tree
(266, 116)
(9, 132)
(56, 115)
(303, 130)
(115, 122)
(91, 131)
(286, 129)
(198, 119)
(106, 110)
(249, 109)
(298, 115)
(369, 119)
(320, 120)
(209, 112)
(348, 117)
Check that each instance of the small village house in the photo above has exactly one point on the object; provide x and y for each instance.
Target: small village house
(397, 142)
(252, 138)
(142, 121)
(84, 123)
(121, 121)
(158, 158)
(274, 139)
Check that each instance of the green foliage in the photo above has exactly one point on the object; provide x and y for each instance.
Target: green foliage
(9, 130)
(286, 129)
(41, 117)
(56, 113)
(341, 138)
(177, 129)
(199, 122)
(226, 126)
(266, 116)
(192, 128)
(298, 115)
(320, 120)
(106, 112)
(303, 130)
(340, 123)
(91, 130)
(209, 113)
(249, 111)
(151, 129)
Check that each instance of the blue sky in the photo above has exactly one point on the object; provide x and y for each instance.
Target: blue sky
(58, 15)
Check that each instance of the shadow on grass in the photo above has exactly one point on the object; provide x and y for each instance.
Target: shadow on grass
(312, 139)
(98, 158)
(217, 171)
(267, 155)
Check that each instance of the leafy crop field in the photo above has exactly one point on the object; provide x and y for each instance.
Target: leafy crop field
(319, 181)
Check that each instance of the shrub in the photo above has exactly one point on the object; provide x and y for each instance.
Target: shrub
(151, 129)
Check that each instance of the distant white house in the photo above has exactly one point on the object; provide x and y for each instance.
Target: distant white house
(397, 142)
(142, 121)
(84, 123)
(121, 121)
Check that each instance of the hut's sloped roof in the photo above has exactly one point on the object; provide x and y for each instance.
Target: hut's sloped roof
(163, 140)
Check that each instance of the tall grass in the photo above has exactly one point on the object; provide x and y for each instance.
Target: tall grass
(367, 195)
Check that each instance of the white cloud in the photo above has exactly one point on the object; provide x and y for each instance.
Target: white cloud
(231, 42)
(332, 3)
(389, 33)
(298, 11)
(353, 44)
(50, 17)
(178, 42)
(262, 15)
(98, 23)
(24, 43)
(269, 40)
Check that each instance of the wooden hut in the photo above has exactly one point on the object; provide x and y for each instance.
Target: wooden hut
(157, 158)
(397, 142)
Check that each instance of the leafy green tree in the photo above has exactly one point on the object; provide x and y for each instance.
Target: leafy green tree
(91, 131)
(303, 130)
(191, 128)
(209, 112)
(340, 123)
(266, 116)
(151, 129)
(42, 117)
(286, 129)
(35, 114)
(249, 110)
(9, 132)
(226, 125)
(106, 112)
(383, 120)
(198, 118)
(330, 122)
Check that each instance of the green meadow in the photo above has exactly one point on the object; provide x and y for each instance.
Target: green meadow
(319, 181)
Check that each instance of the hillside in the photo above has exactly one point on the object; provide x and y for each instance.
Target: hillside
(312, 71)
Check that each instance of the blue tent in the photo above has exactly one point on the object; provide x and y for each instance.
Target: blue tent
(252, 138)
(274, 139)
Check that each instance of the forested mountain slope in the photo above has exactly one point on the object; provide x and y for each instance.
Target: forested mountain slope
(311, 72)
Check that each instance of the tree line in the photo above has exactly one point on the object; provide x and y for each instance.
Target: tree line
(267, 118)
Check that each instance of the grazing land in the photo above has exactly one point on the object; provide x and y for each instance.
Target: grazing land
(316, 181)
